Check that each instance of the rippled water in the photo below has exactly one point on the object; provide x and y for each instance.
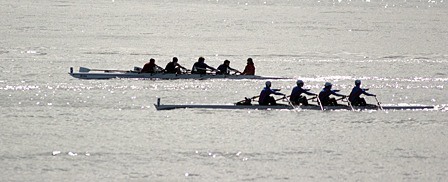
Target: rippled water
(58, 128)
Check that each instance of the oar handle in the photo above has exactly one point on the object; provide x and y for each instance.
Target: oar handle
(284, 97)
(342, 97)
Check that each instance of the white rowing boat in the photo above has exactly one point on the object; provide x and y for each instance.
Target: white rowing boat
(85, 73)
(289, 107)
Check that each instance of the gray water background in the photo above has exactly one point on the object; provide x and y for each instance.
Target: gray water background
(398, 48)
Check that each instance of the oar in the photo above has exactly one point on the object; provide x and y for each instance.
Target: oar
(378, 102)
(185, 70)
(284, 97)
(160, 69)
(295, 107)
(350, 104)
(320, 103)
(252, 98)
(312, 98)
(291, 104)
(85, 70)
(342, 98)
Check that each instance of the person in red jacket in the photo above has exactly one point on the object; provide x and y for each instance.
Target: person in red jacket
(250, 68)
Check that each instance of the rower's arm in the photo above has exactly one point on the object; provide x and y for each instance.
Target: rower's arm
(340, 95)
(276, 93)
(200, 68)
(159, 68)
(309, 93)
(235, 70)
(368, 94)
(214, 69)
(209, 67)
(180, 66)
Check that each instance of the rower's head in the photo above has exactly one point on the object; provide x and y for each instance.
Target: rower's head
(175, 59)
(328, 85)
(201, 60)
(300, 83)
(152, 60)
(357, 82)
(249, 61)
(227, 62)
(268, 84)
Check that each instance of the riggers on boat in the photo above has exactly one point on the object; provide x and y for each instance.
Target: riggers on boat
(160, 106)
(85, 73)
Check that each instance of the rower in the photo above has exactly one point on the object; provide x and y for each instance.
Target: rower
(151, 67)
(296, 97)
(250, 68)
(324, 95)
(225, 68)
(200, 67)
(174, 67)
(265, 98)
(355, 98)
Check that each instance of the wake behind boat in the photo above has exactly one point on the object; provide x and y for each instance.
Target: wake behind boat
(86, 73)
(160, 106)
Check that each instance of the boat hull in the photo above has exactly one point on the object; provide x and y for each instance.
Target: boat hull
(257, 107)
(134, 75)
(288, 107)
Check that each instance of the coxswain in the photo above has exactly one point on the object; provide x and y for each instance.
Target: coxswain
(354, 96)
(250, 68)
(174, 67)
(296, 97)
(151, 67)
(225, 68)
(324, 95)
(265, 98)
(200, 67)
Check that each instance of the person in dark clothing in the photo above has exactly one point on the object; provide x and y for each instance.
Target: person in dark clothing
(200, 67)
(355, 98)
(225, 68)
(265, 98)
(324, 95)
(296, 97)
(151, 67)
(250, 68)
(174, 67)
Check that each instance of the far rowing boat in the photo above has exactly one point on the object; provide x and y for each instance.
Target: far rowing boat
(86, 73)
(289, 107)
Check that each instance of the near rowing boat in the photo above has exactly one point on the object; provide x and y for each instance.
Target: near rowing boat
(289, 107)
(84, 73)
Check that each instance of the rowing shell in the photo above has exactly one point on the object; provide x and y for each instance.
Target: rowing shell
(111, 74)
(288, 107)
